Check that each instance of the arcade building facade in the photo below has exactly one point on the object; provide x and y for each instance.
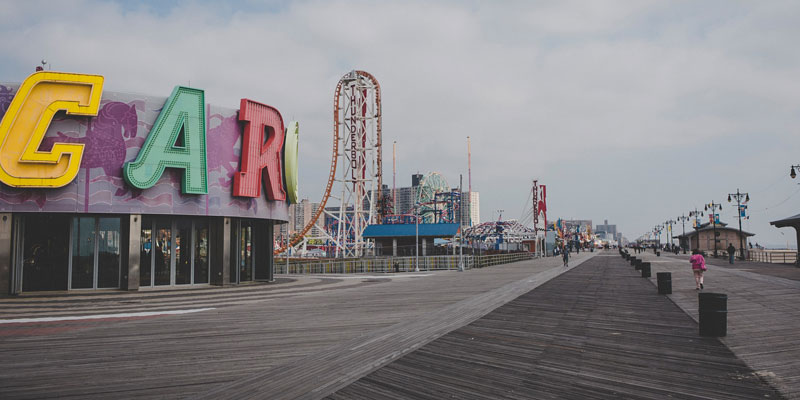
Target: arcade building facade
(103, 190)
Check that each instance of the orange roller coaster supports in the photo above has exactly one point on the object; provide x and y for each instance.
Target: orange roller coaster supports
(334, 155)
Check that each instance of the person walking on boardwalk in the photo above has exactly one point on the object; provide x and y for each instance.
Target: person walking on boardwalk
(731, 252)
(698, 267)
(565, 257)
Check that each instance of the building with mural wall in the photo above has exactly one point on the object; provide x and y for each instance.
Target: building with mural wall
(104, 190)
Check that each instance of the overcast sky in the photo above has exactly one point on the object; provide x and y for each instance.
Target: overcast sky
(630, 111)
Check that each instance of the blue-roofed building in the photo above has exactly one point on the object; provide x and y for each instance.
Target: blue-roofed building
(398, 239)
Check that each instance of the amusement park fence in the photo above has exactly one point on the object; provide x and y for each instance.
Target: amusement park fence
(396, 264)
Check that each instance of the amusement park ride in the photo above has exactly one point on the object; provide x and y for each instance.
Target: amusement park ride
(355, 181)
(357, 158)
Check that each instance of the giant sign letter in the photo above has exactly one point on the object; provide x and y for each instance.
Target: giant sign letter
(258, 153)
(178, 140)
(26, 122)
(290, 150)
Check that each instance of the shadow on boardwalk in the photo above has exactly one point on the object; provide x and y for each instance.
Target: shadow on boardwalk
(598, 331)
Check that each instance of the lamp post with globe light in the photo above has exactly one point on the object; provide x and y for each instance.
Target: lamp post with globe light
(713, 206)
(739, 196)
(683, 218)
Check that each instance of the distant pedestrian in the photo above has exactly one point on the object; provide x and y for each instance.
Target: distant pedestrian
(565, 257)
(698, 267)
(731, 252)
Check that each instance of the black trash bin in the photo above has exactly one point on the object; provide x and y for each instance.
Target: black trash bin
(632, 260)
(638, 264)
(664, 280)
(645, 267)
(713, 309)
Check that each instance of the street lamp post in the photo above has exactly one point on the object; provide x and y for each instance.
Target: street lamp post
(500, 218)
(696, 214)
(683, 218)
(416, 238)
(668, 231)
(460, 225)
(739, 196)
(713, 206)
(792, 173)
(657, 234)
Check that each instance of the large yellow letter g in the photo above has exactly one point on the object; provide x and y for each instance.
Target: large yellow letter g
(25, 124)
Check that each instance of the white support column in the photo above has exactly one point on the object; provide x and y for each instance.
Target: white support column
(394, 247)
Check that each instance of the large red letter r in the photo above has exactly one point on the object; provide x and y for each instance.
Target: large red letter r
(257, 154)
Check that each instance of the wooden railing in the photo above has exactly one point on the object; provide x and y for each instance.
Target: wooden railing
(395, 264)
(773, 256)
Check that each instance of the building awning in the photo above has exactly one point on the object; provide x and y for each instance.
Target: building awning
(410, 230)
(787, 222)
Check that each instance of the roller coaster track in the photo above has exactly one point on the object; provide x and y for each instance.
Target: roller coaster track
(335, 154)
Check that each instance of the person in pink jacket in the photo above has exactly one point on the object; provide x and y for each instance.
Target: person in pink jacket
(698, 267)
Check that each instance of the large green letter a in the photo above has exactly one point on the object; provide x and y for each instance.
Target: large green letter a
(177, 140)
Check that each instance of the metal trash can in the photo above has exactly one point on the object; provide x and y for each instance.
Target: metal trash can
(713, 309)
(664, 280)
(638, 264)
(645, 268)
(632, 260)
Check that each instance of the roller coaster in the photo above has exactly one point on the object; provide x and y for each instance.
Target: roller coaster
(356, 157)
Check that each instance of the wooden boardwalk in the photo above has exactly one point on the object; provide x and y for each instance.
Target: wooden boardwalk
(526, 330)
(252, 329)
(597, 332)
(763, 312)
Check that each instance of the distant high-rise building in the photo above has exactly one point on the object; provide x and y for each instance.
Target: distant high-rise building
(299, 216)
(608, 232)
(416, 179)
(472, 208)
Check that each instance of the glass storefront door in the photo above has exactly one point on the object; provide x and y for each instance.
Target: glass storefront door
(183, 252)
(95, 259)
(245, 252)
(146, 253)
(45, 252)
(83, 239)
(201, 252)
(108, 252)
(162, 252)
(174, 251)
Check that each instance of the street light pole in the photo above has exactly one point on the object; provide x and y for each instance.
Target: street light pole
(499, 218)
(460, 224)
(668, 231)
(683, 218)
(657, 234)
(713, 207)
(738, 196)
(416, 238)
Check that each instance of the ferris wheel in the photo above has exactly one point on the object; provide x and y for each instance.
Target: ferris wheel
(430, 208)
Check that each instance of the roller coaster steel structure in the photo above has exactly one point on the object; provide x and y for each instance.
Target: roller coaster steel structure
(357, 147)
